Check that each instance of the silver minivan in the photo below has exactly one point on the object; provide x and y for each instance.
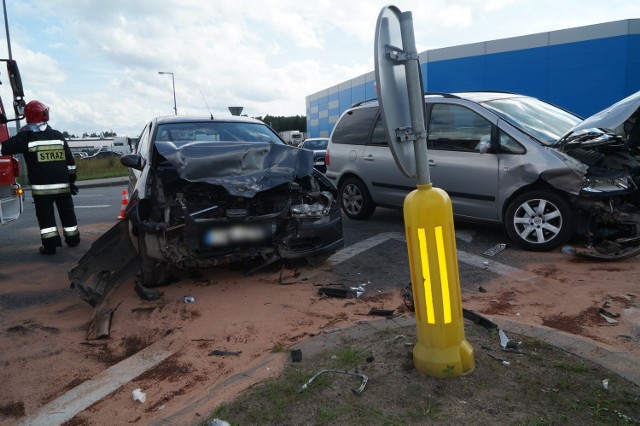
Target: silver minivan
(542, 172)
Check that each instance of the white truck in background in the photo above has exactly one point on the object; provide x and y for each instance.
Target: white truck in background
(292, 137)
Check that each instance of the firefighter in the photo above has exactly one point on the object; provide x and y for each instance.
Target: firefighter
(52, 175)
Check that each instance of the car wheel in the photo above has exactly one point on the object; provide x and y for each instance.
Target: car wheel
(539, 220)
(316, 260)
(355, 199)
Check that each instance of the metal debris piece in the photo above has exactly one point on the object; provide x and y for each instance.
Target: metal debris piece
(218, 352)
(495, 249)
(358, 391)
(359, 289)
(381, 312)
(334, 292)
(608, 314)
(610, 321)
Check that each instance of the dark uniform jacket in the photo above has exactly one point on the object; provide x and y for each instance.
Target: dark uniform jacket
(50, 164)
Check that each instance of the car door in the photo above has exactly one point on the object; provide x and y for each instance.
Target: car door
(457, 165)
(389, 185)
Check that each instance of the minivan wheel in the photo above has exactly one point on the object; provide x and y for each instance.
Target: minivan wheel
(539, 220)
(355, 199)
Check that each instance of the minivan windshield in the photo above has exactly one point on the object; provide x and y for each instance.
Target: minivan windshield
(540, 120)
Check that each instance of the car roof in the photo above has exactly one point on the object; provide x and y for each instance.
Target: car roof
(168, 119)
(473, 96)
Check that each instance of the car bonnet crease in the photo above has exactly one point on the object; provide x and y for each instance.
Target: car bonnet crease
(243, 169)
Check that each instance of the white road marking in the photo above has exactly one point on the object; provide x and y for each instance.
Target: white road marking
(79, 398)
(468, 258)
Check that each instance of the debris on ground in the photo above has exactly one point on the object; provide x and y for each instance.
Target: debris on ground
(358, 391)
(218, 352)
(138, 395)
(296, 355)
(495, 249)
(381, 312)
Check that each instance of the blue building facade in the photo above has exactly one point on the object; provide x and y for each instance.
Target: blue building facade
(582, 69)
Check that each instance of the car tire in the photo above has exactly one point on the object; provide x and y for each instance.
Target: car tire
(355, 199)
(539, 220)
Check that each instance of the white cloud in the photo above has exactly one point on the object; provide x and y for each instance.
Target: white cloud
(96, 63)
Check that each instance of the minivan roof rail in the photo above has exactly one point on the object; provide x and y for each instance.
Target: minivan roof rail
(366, 101)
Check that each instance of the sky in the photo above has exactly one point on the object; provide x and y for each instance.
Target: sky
(96, 63)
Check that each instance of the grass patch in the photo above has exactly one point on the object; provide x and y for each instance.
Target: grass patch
(543, 386)
(98, 168)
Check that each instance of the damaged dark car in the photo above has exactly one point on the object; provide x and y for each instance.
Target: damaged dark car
(207, 192)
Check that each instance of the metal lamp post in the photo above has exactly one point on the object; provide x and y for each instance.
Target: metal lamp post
(173, 82)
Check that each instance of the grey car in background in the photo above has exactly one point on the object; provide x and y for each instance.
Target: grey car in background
(319, 148)
(543, 173)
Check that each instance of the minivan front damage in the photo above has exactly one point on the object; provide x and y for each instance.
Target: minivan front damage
(607, 200)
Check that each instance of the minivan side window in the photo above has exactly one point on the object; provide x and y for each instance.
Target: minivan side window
(354, 126)
(456, 128)
(379, 136)
(509, 145)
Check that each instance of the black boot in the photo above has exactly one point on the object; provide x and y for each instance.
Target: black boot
(47, 250)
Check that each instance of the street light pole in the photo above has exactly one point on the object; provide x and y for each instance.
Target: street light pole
(173, 82)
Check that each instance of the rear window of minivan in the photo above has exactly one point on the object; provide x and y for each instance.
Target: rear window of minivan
(354, 127)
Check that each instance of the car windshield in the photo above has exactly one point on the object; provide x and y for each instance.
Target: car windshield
(216, 131)
(318, 145)
(540, 120)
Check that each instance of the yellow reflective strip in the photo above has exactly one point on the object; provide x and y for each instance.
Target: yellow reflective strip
(426, 276)
(444, 277)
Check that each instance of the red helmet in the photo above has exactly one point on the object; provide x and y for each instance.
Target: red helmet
(36, 112)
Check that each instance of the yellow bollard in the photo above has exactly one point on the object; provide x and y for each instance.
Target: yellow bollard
(442, 350)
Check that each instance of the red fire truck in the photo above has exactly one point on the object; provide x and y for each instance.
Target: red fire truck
(11, 193)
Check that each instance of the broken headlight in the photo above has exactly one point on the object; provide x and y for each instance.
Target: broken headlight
(314, 205)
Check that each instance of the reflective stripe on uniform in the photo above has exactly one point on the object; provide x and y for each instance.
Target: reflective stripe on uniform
(54, 188)
(35, 144)
(71, 230)
(71, 168)
(48, 232)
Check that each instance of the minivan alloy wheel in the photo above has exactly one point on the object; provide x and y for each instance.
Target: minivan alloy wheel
(355, 199)
(539, 220)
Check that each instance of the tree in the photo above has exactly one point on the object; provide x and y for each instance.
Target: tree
(281, 123)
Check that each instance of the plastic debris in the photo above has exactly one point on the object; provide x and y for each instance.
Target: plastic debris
(296, 355)
(382, 312)
(359, 289)
(506, 343)
(138, 395)
(605, 384)
(358, 391)
(218, 352)
(218, 422)
(495, 249)
(568, 250)
(189, 299)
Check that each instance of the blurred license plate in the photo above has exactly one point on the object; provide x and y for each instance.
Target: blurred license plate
(237, 234)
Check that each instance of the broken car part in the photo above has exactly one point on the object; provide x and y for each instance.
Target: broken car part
(358, 391)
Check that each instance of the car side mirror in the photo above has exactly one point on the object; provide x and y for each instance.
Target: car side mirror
(131, 160)
(484, 147)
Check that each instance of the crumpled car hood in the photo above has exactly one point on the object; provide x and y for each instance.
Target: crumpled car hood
(242, 168)
(612, 118)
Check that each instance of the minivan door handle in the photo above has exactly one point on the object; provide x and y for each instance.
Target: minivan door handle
(432, 163)
(369, 158)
